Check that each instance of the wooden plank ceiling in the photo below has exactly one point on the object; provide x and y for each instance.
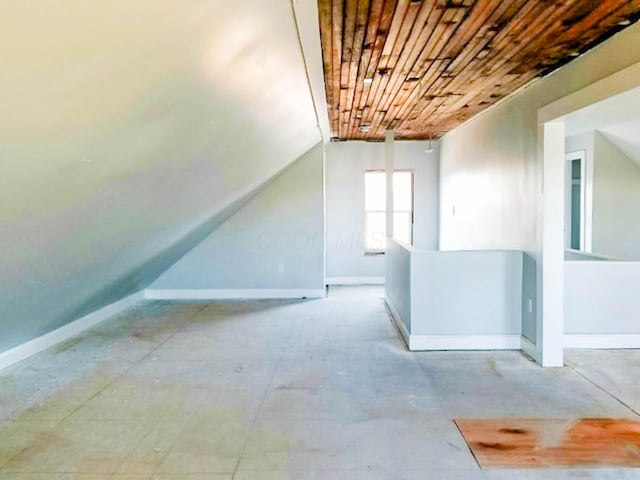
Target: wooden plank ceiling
(422, 67)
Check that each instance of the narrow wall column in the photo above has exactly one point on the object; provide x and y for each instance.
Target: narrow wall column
(389, 167)
(551, 265)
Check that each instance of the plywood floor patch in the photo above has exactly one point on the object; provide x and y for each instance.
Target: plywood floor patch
(541, 443)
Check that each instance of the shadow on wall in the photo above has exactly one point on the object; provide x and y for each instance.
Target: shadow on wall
(131, 131)
(603, 197)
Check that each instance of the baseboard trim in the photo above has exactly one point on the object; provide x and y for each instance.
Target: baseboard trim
(464, 342)
(48, 340)
(417, 343)
(355, 281)
(602, 341)
(233, 294)
(397, 320)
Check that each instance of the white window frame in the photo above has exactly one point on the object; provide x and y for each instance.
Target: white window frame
(381, 251)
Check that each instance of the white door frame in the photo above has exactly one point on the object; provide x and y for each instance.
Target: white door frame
(549, 350)
(585, 232)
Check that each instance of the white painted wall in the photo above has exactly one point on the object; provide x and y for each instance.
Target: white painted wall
(602, 297)
(613, 196)
(487, 182)
(625, 136)
(444, 295)
(398, 284)
(282, 228)
(346, 164)
(129, 131)
(617, 117)
(616, 201)
(490, 168)
(621, 109)
(466, 293)
(307, 22)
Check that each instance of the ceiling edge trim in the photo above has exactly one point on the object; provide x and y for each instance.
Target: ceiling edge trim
(306, 22)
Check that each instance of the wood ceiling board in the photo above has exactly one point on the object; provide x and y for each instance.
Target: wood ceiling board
(336, 21)
(436, 63)
(353, 43)
(432, 31)
(443, 30)
(411, 55)
(403, 20)
(375, 13)
(377, 31)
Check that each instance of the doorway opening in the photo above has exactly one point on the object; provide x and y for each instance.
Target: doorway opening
(575, 201)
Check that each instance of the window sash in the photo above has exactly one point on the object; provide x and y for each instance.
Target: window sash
(375, 241)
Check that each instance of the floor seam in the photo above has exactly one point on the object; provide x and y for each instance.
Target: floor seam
(593, 382)
(262, 401)
(57, 423)
(431, 381)
(124, 372)
(151, 352)
(302, 344)
(188, 320)
(473, 454)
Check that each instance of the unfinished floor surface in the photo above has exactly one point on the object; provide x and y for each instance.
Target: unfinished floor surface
(309, 389)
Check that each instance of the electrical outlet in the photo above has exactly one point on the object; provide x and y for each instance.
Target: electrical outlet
(280, 268)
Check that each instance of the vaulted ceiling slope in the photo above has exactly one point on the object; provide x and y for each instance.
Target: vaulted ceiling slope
(129, 130)
(422, 67)
(618, 118)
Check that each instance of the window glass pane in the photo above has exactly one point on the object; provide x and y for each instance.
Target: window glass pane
(376, 231)
(402, 227)
(375, 207)
(402, 190)
(375, 191)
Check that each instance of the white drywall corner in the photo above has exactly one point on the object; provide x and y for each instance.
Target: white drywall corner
(48, 340)
(276, 241)
(103, 182)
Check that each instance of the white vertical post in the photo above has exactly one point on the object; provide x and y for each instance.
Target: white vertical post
(551, 317)
(389, 168)
(324, 214)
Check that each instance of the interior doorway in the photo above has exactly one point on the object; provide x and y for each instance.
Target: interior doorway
(552, 240)
(575, 201)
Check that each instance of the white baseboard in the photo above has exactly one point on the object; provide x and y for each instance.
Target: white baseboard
(417, 343)
(397, 319)
(602, 341)
(232, 294)
(355, 280)
(464, 342)
(48, 340)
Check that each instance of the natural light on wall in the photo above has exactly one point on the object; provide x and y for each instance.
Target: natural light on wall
(375, 208)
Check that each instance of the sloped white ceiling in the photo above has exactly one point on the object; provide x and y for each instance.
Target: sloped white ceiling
(626, 136)
(125, 127)
(618, 118)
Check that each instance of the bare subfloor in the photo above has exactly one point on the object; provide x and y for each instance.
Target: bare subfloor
(316, 389)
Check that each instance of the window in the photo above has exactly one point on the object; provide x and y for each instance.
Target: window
(375, 204)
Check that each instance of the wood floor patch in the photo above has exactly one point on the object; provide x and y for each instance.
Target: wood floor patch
(541, 443)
